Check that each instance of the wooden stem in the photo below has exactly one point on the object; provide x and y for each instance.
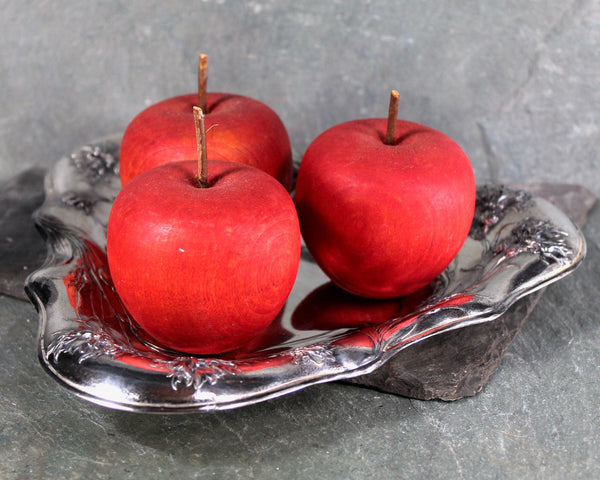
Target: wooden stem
(201, 146)
(202, 80)
(390, 136)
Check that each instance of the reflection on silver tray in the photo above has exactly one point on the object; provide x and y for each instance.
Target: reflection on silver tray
(518, 244)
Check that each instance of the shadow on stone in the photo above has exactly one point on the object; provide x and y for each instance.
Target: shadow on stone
(22, 249)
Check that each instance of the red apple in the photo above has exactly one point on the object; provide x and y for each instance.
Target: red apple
(202, 270)
(238, 129)
(383, 214)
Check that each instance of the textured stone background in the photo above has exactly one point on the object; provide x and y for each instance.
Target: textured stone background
(514, 82)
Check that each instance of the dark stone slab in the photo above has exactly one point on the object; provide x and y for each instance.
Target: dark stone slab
(22, 249)
(453, 365)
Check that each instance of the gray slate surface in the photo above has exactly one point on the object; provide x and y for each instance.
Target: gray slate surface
(514, 82)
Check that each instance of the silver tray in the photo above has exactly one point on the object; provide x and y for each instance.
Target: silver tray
(518, 244)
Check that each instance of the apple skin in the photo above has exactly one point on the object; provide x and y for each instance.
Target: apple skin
(202, 270)
(238, 129)
(383, 221)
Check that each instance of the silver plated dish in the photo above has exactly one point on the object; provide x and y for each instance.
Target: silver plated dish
(518, 243)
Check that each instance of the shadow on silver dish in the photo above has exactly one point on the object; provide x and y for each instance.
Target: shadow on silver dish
(518, 244)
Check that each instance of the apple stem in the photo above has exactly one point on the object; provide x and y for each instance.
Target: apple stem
(390, 136)
(202, 80)
(201, 146)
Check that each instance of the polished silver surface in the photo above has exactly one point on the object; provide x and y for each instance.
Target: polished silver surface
(518, 244)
